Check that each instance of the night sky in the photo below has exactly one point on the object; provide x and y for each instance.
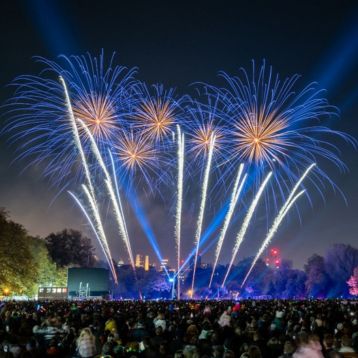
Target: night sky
(177, 43)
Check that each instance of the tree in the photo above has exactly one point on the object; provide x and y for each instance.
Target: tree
(341, 260)
(48, 274)
(70, 247)
(258, 281)
(17, 269)
(127, 282)
(353, 283)
(294, 284)
(160, 286)
(318, 281)
(287, 282)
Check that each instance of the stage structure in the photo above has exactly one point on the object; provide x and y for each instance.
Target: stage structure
(87, 283)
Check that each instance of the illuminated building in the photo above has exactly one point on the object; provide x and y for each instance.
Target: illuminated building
(142, 261)
(146, 263)
(164, 264)
(138, 261)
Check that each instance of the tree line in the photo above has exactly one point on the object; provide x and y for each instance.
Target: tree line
(27, 262)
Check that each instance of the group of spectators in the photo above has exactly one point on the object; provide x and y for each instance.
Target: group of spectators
(183, 329)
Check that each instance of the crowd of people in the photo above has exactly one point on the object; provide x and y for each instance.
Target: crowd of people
(188, 329)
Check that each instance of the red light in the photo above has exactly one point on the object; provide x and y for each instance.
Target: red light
(277, 262)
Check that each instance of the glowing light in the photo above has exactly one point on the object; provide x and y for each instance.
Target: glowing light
(259, 137)
(202, 207)
(181, 151)
(156, 118)
(201, 138)
(283, 211)
(272, 232)
(99, 231)
(98, 114)
(274, 124)
(76, 137)
(241, 234)
(234, 198)
(112, 194)
(99, 227)
(135, 152)
(90, 193)
(256, 118)
(101, 94)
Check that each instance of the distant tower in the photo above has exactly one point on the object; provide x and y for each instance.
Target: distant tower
(164, 264)
(146, 263)
(120, 263)
(138, 260)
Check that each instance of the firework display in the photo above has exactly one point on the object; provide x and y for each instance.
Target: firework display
(234, 198)
(93, 122)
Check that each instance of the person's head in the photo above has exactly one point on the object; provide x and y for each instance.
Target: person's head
(85, 333)
(302, 339)
(346, 341)
(159, 331)
(328, 341)
(256, 336)
(254, 352)
(190, 351)
(162, 348)
(313, 341)
(160, 315)
(179, 354)
(288, 347)
(30, 345)
(217, 351)
(229, 354)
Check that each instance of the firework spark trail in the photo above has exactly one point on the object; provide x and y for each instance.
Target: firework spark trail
(286, 207)
(77, 137)
(202, 207)
(78, 202)
(117, 190)
(295, 188)
(111, 192)
(181, 151)
(283, 211)
(234, 198)
(100, 228)
(90, 193)
(245, 225)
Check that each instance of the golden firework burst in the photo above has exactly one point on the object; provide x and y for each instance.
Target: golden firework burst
(98, 113)
(156, 118)
(136, 152)
(201, 137)
(260, 137)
